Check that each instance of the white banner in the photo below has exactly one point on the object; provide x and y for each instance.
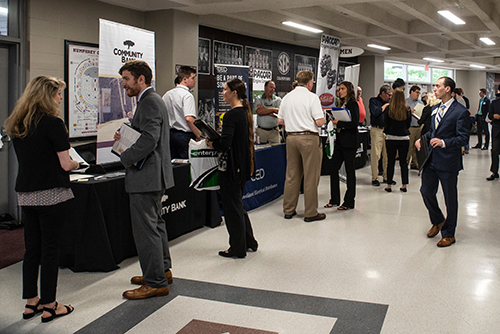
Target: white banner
(326, 83)
(118, 44)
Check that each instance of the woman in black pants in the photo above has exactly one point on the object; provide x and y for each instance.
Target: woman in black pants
(236, 167)
(346, 144)
(42, 147)
(397, 137)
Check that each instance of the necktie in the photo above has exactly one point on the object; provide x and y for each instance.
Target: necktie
(439, 114)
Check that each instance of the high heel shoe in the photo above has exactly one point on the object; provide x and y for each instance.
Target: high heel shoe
(53, 314)
(35, 309)
(403, 189)
(388, 190)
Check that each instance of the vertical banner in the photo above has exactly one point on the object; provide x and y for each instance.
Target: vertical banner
(224, 73)
(260, 77)
(326, 83)
(352, 75)
(118, 43)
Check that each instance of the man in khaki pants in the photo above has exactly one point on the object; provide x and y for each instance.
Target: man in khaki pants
(301, 114)
(377, 136)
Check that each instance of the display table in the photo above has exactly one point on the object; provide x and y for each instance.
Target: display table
(98, 235)
(269, 180)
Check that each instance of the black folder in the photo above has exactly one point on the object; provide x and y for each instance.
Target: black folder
(206, 130)
(423, 153)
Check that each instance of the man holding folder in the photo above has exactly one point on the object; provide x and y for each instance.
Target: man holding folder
(147, 185)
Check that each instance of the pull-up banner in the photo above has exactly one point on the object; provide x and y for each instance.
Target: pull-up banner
(326, 83)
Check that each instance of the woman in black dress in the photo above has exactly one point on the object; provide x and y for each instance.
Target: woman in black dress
(397, 137)
(42, 147)
(346, 144)
(236, 167)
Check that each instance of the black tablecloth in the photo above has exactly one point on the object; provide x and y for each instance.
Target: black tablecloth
(98, 233)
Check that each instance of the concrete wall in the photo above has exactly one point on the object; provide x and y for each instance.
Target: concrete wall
(371, 77)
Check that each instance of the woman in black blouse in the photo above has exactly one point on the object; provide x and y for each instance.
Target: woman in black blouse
(237, 166)
(346, 144)
(41, 143)
(397, 137)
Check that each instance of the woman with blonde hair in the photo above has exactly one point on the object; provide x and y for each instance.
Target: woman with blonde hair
(237, 144)
(42, 147)
(397, 137)
(425, 118)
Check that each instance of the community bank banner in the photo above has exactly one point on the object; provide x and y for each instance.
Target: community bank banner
(326, 83)
(118, 43)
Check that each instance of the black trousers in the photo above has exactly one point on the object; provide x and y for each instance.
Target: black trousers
(343, 155)
(42, 225)
(236, 217)
(393, 146)
(482, 127)
(495, 151)
(179, 143)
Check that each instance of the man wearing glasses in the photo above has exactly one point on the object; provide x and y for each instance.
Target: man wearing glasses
(412, 102)
(377, 136)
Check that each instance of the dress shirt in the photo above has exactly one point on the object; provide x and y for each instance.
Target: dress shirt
(412, 104)
(180, 104)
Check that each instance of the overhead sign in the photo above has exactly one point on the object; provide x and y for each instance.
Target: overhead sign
(350, 51)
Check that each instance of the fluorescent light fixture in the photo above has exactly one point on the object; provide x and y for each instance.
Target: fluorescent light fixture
(301, 26)
(486, 40)
(477, 66)
(434, 60)
(375, 46)
(4, 10)
(448, 15)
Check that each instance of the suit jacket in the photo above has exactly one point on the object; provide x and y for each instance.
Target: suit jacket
(425, 119)
(347, 132)
(485, 108)
(151, 120)
(454, 130)
(495, 123)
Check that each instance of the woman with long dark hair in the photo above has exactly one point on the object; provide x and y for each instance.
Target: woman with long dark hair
(236, 167)
(397, 137)
(42, 147)
(346, 144)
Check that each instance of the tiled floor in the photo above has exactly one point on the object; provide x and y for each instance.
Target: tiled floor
(346, 274)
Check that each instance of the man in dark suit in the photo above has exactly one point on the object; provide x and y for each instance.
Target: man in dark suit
(482, 124)
(448, 133)
(146, 185)
(494, 117)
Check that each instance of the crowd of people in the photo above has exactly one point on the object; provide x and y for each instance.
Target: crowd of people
(438, 123)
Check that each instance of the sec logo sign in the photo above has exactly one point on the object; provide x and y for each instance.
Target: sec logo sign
(284, 63)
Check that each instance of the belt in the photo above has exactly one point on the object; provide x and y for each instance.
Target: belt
(378, 127)
(302, 133)
(417, 126)
(267, 129)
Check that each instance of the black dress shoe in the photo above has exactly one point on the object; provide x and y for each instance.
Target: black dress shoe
(403, 189)
(393, 182)
(290, 216)
(228, 253)
(477, 146)
(388, 189)
(375, 183)
(492, 177)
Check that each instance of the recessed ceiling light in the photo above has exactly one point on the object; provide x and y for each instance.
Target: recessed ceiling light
(301, 26)
(375, 46)
(448, 15)
(477, 66)
(486, 40)
(434, 60)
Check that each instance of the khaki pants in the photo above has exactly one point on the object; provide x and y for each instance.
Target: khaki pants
(303, 155)
(377, 137)
(412, 152)
(268, 136)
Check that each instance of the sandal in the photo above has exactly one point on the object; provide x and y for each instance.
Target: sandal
(329, 205)
(35, 309)
(343, 207)
(53, 314)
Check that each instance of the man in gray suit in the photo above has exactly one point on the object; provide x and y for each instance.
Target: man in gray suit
(146, 185)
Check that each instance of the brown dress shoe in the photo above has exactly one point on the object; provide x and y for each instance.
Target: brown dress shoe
(145, 292)
(445, 242)
(139, 280)
(319, 216)
(434, 230)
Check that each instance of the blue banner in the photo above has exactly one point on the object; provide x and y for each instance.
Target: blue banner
(269, 180)
(225, 73)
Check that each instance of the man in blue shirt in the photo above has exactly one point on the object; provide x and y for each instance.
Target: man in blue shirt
(377, 136)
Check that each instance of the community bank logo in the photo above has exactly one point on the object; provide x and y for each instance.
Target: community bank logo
(259, 174)
(127, 54)
(284, 63)
(128, 43)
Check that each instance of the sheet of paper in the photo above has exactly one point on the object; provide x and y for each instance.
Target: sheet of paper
(341, 114)
(128, 136)
(418, 110)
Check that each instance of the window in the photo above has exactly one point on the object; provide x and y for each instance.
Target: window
(418, 74)
(441, 72)
(392, 71)
(4, 14)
